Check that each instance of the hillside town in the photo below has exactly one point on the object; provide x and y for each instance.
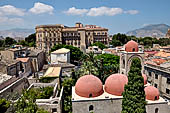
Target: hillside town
(83, 69)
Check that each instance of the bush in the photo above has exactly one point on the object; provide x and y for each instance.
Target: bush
(4, 105)
(47, 79)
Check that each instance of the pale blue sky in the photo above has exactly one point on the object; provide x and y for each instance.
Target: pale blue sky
(117, 15)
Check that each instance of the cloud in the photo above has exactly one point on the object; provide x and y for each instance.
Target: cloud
(74, 11)
(132, 12)
(40, 8)
(100, 11)
(11, 10)
(12, 21)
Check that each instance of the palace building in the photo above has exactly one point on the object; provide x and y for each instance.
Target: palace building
(79, 36)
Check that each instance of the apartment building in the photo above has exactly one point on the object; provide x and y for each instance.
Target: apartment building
(79, 36)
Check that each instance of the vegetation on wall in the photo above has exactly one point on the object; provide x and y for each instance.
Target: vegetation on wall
(134, 94)
(41, 93)
(47, 79)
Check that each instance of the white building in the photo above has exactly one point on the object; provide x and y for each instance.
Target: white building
(60, 56)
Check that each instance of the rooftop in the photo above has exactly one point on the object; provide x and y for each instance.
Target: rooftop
(162, 54)
(23, 59)
(60, 51)
(107, 96)
(8, 62)
(34, 52)
(52, 72)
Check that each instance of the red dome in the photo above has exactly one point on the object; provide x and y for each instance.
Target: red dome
(131, 46)
(145, 79)
(89, 86)
(151, 93)
(115, 83)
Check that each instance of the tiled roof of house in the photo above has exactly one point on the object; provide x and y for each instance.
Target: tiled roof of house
(23, 59)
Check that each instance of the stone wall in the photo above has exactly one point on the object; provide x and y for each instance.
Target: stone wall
(99, 106)
(114, 106)
(158, 108)
(15, 88)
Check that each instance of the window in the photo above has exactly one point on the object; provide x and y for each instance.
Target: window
(150, 74)
(54, 110)
(156, 110)
(90, 95)
(167, 91)
(149, 81)
(91, 108)
(156, 85)
(156, 76)
(133, 49)
(168, 80)
(156, 98)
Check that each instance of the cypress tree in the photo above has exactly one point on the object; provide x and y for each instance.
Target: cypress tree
(134, 95)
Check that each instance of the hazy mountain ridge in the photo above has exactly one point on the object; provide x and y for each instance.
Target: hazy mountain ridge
(158, 30)
(16, 33)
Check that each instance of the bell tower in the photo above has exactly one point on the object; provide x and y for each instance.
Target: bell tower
(131, 51)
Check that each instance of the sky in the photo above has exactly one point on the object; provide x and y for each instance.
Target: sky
(116, 15)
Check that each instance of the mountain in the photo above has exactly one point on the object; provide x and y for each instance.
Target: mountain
(153, 30)
(16, 33)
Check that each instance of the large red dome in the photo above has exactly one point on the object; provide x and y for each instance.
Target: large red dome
(115, 83)
(131, 46)
(89, 86)
(145, 79)
(151, 93)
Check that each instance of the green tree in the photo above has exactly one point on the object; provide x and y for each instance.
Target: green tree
(106, 64)
(4, 105)
(9, 41)
(1, 43)
(101, 65)
(27, 102)
(23, 43)
(31, 40)
(120, 39)
(100, 45)
(67, 85)
(134, 95)
(75, 53)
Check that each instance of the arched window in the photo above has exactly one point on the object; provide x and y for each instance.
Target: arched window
(90, 95)
(123, 66)
(133, 49)
(156, 110)
(91, 108)
(156, 98)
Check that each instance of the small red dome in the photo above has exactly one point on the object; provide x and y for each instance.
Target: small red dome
(131, 46)
(115, 83)
(151, 93)
(89, 86)
(145, 79)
